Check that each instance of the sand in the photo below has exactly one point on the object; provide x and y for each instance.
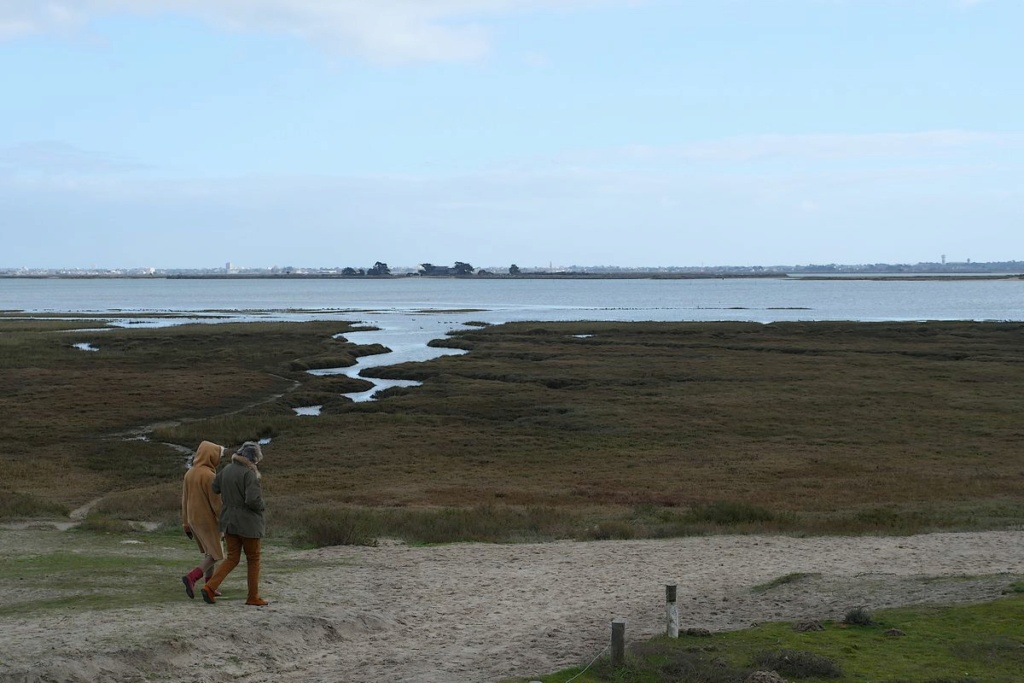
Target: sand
(470, 612)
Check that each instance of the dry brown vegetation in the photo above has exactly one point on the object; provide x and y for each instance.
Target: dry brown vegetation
(615, 429)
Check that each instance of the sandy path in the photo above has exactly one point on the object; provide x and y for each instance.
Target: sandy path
(468, 612)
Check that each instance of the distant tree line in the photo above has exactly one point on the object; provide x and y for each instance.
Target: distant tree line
(458, 269)
(380, 269)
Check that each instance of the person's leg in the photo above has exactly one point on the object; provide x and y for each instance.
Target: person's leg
(190, 580)
(208, 565)
(252, 566)
(234, 554)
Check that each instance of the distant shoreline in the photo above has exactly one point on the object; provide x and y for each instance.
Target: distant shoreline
(535, 276)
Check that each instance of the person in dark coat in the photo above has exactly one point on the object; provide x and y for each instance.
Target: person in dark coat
(241, 520)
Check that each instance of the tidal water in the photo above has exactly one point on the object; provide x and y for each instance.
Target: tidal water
(762, 300)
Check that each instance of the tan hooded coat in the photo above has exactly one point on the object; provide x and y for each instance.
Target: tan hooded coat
(200, 506)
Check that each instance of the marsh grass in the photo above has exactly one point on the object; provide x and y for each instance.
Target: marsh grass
(159, 503)
(226, 430)
(621, 429)
(325, 526)
(978, 643)
(17, 505)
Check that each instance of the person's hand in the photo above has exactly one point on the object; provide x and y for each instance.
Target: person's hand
(188, 530)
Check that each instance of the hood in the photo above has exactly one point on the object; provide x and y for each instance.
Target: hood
(207, 455)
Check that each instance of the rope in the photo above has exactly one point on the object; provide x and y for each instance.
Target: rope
(599, 655)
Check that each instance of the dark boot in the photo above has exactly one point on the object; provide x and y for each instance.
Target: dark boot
(190, 581)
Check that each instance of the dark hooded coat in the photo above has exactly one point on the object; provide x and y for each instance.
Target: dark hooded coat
(239, 487)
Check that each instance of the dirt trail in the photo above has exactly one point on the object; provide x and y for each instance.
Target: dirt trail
(470, 612)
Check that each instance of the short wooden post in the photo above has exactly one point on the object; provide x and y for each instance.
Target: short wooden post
(672, 611)
(618, 641)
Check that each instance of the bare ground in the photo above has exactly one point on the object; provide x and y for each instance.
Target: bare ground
(471, 612)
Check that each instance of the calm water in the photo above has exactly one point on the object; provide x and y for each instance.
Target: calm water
(504, 300)
(408, 313)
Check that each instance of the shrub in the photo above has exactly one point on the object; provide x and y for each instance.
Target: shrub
(321, 527)
(798, 664)
(858, 616)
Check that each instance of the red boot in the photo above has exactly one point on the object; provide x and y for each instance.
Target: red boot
(190, 581)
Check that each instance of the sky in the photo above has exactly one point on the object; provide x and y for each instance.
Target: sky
(542, 133)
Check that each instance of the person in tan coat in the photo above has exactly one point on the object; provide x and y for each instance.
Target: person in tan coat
(242, 521)
(200, 512)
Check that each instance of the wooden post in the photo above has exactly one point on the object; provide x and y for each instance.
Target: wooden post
(618, 641)
(672, 611)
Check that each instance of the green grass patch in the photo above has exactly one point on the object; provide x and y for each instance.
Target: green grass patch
(80, 580)
(106, 565)
(983, 643)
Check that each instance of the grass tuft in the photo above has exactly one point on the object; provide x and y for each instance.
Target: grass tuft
(798, 664)
(858, 616)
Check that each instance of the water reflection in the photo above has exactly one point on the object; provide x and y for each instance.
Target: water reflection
(407, 336)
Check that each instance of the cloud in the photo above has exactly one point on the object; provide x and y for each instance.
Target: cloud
(24, 17)
(837, 147)
(59, 158)
(381, 30)
(689, 214)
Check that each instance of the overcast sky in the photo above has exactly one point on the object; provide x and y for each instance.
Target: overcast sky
(191, 133)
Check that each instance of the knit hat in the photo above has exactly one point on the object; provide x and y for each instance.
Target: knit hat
(250, 450)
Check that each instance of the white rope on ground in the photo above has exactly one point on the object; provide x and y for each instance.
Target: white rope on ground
(599, 655)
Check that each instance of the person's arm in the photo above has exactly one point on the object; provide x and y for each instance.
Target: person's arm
(253, 493)
(215, 484)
